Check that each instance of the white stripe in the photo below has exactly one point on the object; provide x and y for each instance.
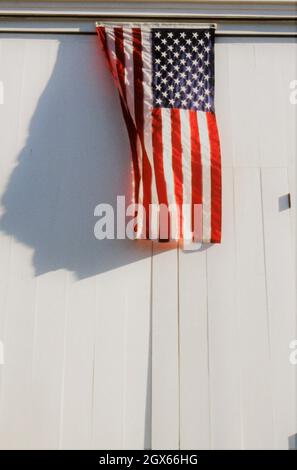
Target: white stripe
(140, 226)
(148, 104)
(129, 71)
(129, 82)
(206, 176)
(110, 40)
(167, 155)
(167, 166)
(187, 173)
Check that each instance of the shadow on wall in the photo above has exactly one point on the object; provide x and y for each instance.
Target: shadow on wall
(76, 156)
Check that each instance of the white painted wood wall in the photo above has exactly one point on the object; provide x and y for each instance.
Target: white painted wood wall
(118, 344)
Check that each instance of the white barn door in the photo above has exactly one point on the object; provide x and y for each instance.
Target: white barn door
(117, 344)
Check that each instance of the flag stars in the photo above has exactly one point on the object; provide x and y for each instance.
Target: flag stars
(182, 69)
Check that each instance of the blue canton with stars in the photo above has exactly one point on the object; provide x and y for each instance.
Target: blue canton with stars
(183, 68)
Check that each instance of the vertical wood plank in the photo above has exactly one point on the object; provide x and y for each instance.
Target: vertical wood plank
(137, 390)
(272, 97)
(224, 334)
(256, 391)
(165, 363)
(241, 64)
(77, 391)
(193, 340)
(281, 301)
(18, 340)
(109, 366)
(223, 97)
(48, 359)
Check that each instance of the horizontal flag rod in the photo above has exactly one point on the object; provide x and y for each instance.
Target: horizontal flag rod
(68, 31)
(168, 23)
(240, 24)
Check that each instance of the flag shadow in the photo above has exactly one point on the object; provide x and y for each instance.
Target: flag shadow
(75, 157)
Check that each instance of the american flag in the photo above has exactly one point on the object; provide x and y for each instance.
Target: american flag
(165, 78)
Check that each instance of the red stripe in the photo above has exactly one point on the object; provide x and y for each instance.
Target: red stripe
(103, 40)
(133, 145)
(177, 163)
(139, 118)
(120, 62)
(158, 155)
(157, 141)
(216, 184)
(196, 167)
(127, 117)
